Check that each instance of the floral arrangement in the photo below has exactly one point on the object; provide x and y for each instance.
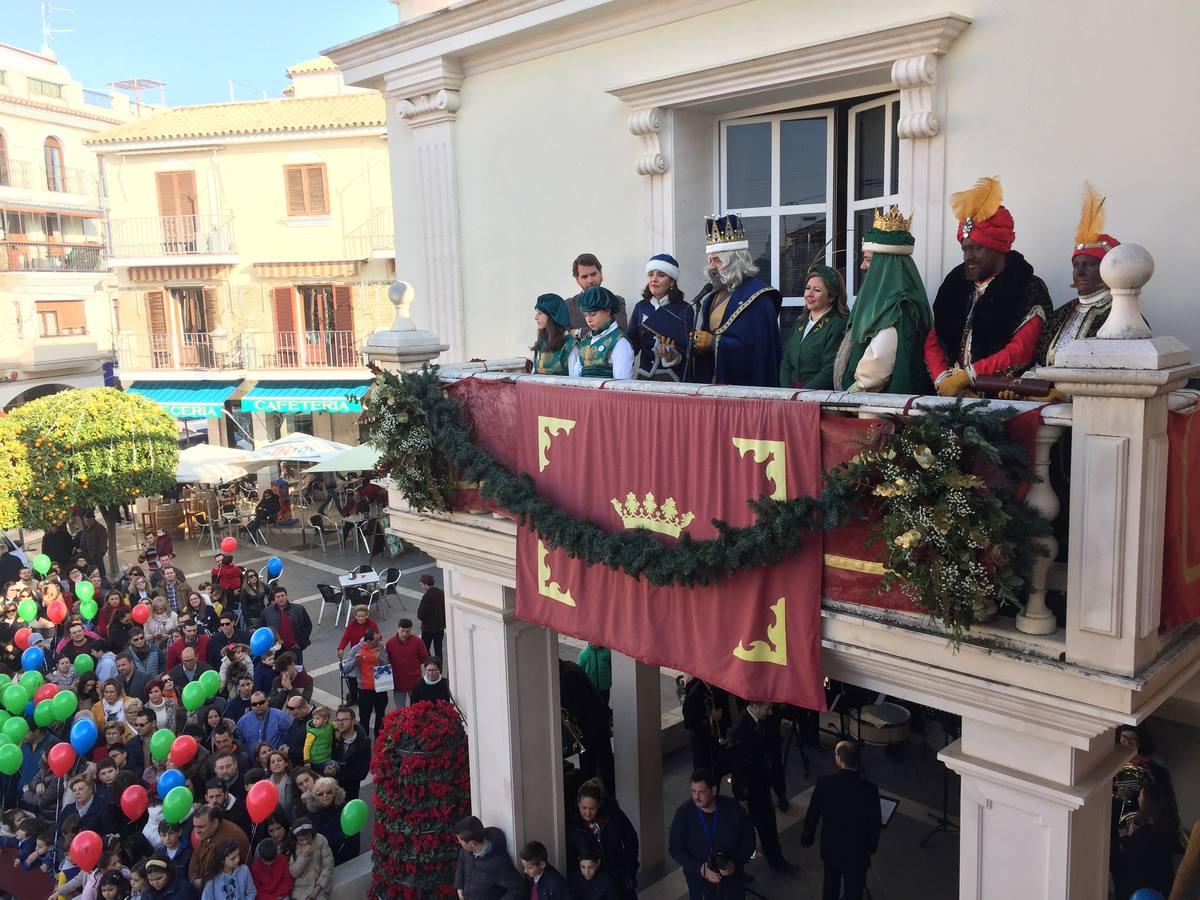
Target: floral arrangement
(422, 788)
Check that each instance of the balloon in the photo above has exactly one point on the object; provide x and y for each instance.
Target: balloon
(32, 680)
(27, 609)
(160, 744)
(21, 639)
(56, 612)
(211, 682)
(14, 698)
(43, 714)
(84, 663)
(42, 563)
(168, 781)
(32, 659)
(4, 714)
(65, 704)
(261, 800)
(194, 696)
(85, 591)
(84, 735)
(134, 801)
(177, 804)
(261, 641)
(60, 759)
(228, 545)
(354, 817)
(1147, 894)
(195, 840)
(16, 729)
(183, 748)
(5, 739)
(274, 567)
(88, 608)
(45, 692)
(85, 850)
(28, 711)
(10, 757)
(140, 613)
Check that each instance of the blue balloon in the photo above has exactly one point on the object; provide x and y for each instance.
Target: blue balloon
(84, 735)
(274, 567)
(32, 659)
(29, 709)
(261, 641)
(1147, 894)
(172, 778)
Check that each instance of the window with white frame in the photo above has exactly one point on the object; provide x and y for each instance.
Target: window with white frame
(873, 170)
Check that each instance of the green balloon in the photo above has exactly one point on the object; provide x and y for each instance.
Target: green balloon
(32, 680)
(88, 608)
(160, 744)
(211, 682)
(42, 563)
(194, 696)
(43, 713)
(64, 704)
(354, 817)
(27, 609)
(84, 663)
(4, 739)
(16, 728)
(15, 697)
(85, 591)
(176, 805)
(10, 759)
(4, 679)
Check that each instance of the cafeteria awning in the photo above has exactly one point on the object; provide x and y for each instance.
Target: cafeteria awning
(292, 397)
(187, 399)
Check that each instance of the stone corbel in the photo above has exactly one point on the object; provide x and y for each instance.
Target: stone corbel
(426, 109)
(647, 124)
(915, 77)
(426, 93)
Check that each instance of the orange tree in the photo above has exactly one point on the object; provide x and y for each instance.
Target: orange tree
(87, 448)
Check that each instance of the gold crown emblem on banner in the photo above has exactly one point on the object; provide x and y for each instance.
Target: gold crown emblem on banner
(646, 513)
(890, 219)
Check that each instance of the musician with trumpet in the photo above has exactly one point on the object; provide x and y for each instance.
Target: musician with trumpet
(1145, 823)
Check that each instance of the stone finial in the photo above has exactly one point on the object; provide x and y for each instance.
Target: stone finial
(403, 346)
(1126, 269)
(402, 294)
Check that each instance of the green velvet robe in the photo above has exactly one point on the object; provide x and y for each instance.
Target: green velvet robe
(808, 358)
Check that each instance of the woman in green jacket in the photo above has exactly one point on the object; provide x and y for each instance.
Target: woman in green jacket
(809, 355)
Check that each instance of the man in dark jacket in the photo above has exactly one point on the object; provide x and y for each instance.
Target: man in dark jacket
(550, 884)
(351, 752)
(290, 622)
(432, 615)
(712, 839)
(754, 761)
(484, 870)
(59, 545)
(850, 806)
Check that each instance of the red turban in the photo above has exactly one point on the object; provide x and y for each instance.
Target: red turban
(995, 233)
(1097, 248)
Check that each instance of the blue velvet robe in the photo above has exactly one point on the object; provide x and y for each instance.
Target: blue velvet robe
(746, 347)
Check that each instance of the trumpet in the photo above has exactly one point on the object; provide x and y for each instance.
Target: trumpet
(1127, 787)
(714, 723)
(572, 736)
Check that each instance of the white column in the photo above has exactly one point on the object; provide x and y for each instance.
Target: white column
(637, 733)
(653, 127)
(922, 158)
(426, 98)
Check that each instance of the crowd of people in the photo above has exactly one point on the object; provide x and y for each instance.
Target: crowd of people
(991, 319)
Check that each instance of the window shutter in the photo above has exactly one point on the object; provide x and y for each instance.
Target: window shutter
(317, 204)
(285, 316)
(343, 308)
(168, 200)
(294, 180)
(157, 314)
(210, 309)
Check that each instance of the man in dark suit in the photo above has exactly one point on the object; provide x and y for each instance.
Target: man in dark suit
(752, 763)
(587, 272)
(850, 806)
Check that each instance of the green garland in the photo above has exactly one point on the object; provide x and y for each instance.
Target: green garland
(425, 445)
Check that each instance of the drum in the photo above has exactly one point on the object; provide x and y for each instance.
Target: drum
(881, 724)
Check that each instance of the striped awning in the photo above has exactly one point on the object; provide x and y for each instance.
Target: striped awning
(305, 396)
(159, 274)
(187, 399)
(338, 268)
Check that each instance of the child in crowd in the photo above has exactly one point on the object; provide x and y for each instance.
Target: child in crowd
(553, 345)
(114, 886)
(171, 836)
(139, 887)
(272, 879)
(318, 745)
(604, 353)
(590, 883)
(63, 674)
(228, 877)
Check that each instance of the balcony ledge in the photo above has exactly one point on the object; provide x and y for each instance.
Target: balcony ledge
(175, 259)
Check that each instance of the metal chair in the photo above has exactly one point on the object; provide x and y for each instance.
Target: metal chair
(388, 579)
(322, 525)
(202, 524)
(330, 594)
(363, 529)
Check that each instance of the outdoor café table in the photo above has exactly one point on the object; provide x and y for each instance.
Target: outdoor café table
(366, 579)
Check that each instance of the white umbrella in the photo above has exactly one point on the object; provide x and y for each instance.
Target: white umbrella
(362, 458)
(210, 464)
(294, 448)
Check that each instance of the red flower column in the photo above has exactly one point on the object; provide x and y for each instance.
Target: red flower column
(422, 788)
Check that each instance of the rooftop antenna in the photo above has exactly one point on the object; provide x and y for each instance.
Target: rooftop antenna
(48, 32)
(252, 87)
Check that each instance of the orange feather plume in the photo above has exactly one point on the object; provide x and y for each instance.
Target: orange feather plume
(1091, 216)
(979, 202)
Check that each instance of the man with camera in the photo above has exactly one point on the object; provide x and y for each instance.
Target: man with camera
(712, 839)
(849, 804)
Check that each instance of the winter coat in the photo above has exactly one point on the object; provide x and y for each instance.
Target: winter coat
(313, 871)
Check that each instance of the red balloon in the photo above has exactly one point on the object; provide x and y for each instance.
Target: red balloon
(21, 638)
(60, 758)
(195, 840)
(56, 612)
(45, 692)
(134, 801)
(141, 613)
(228, 545)
(85, 850)
(261, 800)
(183, 748)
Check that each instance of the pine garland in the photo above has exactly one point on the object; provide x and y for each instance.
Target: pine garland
(414, 403)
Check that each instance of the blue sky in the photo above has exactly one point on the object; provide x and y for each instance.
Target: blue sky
(195, 48)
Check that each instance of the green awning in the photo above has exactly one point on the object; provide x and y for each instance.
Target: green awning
(187, 399)
(306, 396)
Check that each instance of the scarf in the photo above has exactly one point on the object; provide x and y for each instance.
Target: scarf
(113, 712)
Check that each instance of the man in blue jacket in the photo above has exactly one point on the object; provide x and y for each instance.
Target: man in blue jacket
(485, 871)
(712, 839)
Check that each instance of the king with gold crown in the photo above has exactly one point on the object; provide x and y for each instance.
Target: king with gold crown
(881, 350)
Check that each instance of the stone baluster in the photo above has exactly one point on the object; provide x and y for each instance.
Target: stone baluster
(1037, 619)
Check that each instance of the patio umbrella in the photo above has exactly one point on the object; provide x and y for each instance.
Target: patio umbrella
(294, 448)
(209, 464)
(362, 458)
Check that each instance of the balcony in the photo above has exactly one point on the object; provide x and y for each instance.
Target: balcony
(248, 351)
(35, 256)
(374, 238)
(27, 175)
(166, 240)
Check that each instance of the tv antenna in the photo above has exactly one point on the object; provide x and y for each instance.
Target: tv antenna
(48, 32)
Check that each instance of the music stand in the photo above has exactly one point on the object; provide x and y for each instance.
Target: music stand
(950, 731)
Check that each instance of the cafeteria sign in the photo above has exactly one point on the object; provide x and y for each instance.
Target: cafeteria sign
(302, 404)
(193, 410)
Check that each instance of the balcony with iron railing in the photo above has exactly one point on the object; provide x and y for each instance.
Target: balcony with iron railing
(50, 256)
(247, 351)
(157, 237)
(28, 175)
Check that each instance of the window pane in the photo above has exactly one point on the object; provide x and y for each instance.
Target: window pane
(748, 165)
(802, 243)
(802, 155)
(758, 233)
(895, 189)
(868, 153)
(863, 219)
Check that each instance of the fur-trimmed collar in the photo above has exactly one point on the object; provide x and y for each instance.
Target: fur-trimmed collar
(1004, 305)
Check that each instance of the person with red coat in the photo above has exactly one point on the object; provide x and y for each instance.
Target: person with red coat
(270, 873)
(406, 652)
(226, 574)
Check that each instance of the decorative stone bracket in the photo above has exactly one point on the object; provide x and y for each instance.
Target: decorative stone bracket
(427, 109)
(915, 77)
(647, 124)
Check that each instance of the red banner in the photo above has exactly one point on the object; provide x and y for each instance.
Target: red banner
(1181, 539)
(671, 465)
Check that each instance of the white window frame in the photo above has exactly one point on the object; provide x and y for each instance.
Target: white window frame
(775, 211)
(854, 240)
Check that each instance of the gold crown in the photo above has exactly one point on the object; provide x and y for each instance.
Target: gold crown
(733, 231)
(890, 219)
(665, 519)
